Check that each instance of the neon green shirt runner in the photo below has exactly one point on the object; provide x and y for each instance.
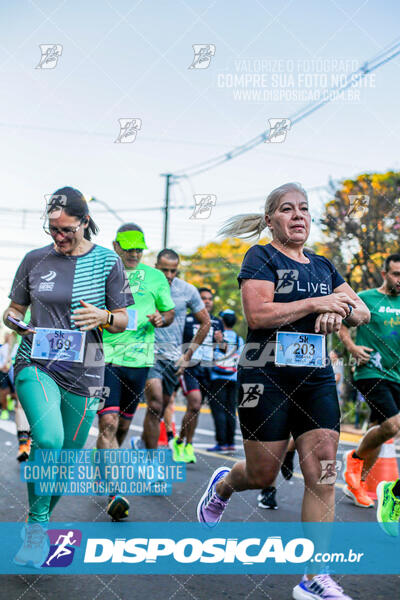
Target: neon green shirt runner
(382, 334)
(151, 292)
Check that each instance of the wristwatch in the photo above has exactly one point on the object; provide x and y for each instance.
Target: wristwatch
(110, 320)
(350, 311)
(163, 319)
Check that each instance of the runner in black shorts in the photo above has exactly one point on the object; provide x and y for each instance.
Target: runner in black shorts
(286, 289)
(196, 379)
(170, 360)
(377, 377)
(130, 354)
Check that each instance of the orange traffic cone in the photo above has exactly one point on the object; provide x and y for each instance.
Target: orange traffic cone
(163, 439)
(385, 468)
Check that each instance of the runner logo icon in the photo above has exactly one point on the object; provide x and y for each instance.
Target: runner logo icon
(358, 206)
(287, 278)
(203, 205)
(329, 471)
(252, 393)
(128, 129)
(278, 129)
(376, 361)
(100, 394)
(50, 55)
(62, 542)
(203, 54)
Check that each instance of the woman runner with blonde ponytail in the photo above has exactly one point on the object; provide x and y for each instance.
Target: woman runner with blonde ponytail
(292, 298)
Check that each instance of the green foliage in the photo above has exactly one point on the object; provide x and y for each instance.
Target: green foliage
(359, 237)
(216, 265)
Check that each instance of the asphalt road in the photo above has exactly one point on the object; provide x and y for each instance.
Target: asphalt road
(180, 506)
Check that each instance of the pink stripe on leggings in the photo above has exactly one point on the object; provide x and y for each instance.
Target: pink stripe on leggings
(44, 391)
(83, 416)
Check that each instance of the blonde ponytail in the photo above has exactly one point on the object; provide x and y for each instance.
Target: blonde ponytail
(253, 224)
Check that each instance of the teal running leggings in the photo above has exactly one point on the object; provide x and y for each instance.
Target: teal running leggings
(58, 419)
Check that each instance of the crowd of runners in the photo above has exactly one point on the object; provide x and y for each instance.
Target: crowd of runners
(100, 332)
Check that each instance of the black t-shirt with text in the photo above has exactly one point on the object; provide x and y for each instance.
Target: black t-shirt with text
(293, 281)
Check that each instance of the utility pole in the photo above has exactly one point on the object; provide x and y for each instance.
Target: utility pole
(166, 207)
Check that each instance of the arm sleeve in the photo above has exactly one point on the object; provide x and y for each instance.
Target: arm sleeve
(163, 297)
(20, 292)
(118, 291)
(256, 265)
(337, 279)
(195, 303)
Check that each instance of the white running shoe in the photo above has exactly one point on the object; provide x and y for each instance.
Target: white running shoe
(320, 587)
(35, 547)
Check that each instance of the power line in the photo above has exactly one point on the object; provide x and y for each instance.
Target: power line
(374, 63)
(351, 80)
(152, 208)
(162, 140)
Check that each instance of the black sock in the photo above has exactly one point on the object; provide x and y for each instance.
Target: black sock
(170, 435)
(355, 455)
(396, 489)
(178, 441)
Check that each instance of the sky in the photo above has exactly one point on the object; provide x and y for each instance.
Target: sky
(131, 59)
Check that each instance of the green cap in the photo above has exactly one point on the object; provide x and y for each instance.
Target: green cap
(131, 239)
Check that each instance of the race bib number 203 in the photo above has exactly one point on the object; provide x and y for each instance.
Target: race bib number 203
(299, 349)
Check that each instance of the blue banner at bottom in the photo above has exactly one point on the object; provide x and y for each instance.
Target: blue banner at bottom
(192, 548)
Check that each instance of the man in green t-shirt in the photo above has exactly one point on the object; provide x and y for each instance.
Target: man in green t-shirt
(129, 355)
(377, 376)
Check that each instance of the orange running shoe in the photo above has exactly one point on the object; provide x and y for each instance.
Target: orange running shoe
(359, 495)
(352, 470)
(24, 451)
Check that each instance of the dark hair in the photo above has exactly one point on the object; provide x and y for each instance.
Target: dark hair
(389, 259)
(129, 227)
(73, 202)
(205, 289)
(229, 319)
(168, 254)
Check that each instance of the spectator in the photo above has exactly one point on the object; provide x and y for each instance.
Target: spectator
(6, 387)
(224, 385)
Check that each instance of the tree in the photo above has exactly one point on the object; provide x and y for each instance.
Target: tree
(216, 265)
(361, 226)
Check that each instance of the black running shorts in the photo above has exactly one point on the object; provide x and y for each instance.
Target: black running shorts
(124, 389)
(382, 396)
(270, 411)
